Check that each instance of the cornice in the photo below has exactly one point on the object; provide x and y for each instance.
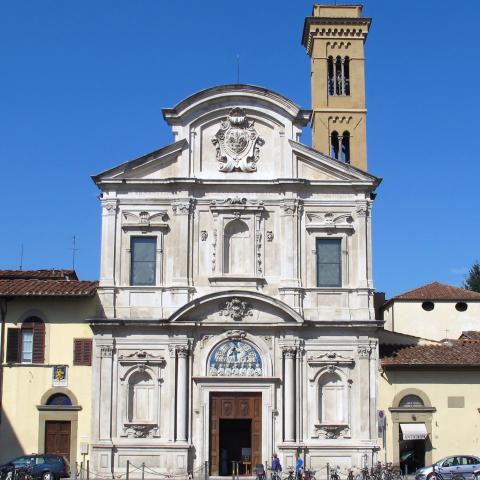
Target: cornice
(363, 23)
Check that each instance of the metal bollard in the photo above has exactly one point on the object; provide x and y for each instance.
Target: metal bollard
(206, 471)
(88, 469)
(127, 473)
(143, 470)
(328, 471)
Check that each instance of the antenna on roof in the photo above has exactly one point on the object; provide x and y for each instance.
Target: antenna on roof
(74, 251)
(21, 257)
(238, 68)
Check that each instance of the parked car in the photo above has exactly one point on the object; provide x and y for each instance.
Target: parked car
(467, 466)
(40, 467)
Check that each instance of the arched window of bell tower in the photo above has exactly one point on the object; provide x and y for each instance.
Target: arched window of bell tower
(345, 144)
(331, 76)
(334, 145)
(338, 71)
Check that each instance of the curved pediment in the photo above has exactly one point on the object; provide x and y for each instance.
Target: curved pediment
(236, 307)
(195, 106)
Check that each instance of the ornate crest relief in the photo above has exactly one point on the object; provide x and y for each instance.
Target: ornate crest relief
(237, 143)
(236, 309)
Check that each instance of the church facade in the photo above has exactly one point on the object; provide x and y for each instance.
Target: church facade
(236, 282)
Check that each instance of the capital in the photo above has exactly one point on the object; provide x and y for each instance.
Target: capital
(182, 351)
(289, 352)
(183, 207)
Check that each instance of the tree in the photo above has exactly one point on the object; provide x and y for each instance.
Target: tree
(472, 282)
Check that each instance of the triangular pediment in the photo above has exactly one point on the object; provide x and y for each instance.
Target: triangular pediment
(154, 165)
(316, 166)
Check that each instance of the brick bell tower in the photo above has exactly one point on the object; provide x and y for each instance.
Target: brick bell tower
(334, 37)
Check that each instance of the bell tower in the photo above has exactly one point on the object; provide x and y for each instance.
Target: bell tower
(334, 37)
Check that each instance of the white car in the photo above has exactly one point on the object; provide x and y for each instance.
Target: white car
(454, 466)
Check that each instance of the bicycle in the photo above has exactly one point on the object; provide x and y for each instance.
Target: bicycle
(334, 475)
(275, 475)
(291, 474)
(309, 474)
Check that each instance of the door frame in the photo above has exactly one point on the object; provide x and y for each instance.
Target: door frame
(252, 397)
(51, 415)
(271, 421)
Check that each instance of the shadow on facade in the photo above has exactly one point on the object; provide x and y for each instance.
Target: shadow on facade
(10, 447)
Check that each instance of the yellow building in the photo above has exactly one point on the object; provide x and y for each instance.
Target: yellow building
(429, 389)
(45, 376)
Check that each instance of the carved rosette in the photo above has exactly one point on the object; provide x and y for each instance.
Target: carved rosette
(237, 143)
(236, 309)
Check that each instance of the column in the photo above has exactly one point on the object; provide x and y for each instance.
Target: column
(290, 212)
(289, 392)
(364, 373)
(105, 400)
(181, 210)
(109, 220)
(182, 393)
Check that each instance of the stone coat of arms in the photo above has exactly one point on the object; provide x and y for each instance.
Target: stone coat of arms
(237, 143)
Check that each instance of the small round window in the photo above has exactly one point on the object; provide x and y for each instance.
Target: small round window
(428, 306)
(461, 306)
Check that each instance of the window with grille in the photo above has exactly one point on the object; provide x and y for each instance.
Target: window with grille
(143, 260)
(329, 262)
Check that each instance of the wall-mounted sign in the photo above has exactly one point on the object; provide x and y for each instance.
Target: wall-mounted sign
(60, 376)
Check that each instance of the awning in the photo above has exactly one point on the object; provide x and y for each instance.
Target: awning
(414, 431)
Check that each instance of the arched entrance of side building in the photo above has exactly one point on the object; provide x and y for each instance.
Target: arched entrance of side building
(412, 429)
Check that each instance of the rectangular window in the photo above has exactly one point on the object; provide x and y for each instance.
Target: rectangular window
(143, 265)
(27, 346)
(329, 262)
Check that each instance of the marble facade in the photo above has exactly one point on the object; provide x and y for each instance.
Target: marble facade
(236, 205)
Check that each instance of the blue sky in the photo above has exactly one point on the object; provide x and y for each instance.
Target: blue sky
(83, 84)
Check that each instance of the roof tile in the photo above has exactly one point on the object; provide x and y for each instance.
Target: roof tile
(47, 288)
(455, 353)
(51, 274)
(438, 291)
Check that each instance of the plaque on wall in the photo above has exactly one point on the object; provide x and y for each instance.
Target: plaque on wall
(60, 376)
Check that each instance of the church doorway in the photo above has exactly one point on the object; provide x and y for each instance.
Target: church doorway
(235, 432)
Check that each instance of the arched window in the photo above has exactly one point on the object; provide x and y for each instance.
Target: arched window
(332, 399)
(345, 142)
(58, 399)
(411, 401)
(338, 75)
(346, 76)
(331, 76)
(236, 253)
(140, 397)
(334, 145)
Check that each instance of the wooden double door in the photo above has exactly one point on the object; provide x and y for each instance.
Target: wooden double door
(57, 438)
(235, 428)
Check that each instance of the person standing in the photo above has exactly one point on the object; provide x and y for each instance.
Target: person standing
(298, 466)
(276, 466)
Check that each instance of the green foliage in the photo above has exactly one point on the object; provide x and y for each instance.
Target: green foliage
(472, 282)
